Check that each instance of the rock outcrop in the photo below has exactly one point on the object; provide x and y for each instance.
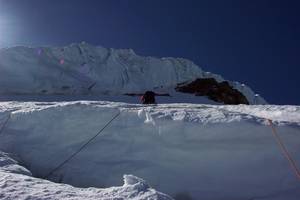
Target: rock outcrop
(221, 92)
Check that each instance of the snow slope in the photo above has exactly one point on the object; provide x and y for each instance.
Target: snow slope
(192, 150)
(16, 182)
(85, 69)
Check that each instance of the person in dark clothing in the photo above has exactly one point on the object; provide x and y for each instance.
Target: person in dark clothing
(148, 98)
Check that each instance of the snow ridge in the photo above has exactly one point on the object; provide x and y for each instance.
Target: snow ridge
(86, 69)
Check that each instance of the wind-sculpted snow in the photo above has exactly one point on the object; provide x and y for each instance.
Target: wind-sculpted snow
(7, 164)
(186, 150)
(203, 113)
(16, 182)
(86, 69)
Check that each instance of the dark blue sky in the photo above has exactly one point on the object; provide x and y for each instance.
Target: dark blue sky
(256, 42)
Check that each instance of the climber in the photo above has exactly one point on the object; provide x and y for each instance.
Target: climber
(148, 98)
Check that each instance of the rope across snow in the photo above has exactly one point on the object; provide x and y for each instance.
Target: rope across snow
(82, 147)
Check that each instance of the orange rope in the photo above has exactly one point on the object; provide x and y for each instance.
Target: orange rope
(284, 150)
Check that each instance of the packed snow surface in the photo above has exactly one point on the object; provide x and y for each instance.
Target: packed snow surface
(83, 69)
(20, 185)
(191, 151)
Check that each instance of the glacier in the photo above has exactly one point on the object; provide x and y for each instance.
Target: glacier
(84, 69)
(191, 151)
(54, 101)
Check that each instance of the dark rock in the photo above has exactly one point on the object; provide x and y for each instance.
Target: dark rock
(220, 92)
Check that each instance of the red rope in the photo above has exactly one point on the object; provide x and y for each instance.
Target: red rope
(284, 150)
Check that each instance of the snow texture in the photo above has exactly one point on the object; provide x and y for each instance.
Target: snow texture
(7, 164)
(16, 182)
(81, 69)
(192, 150)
